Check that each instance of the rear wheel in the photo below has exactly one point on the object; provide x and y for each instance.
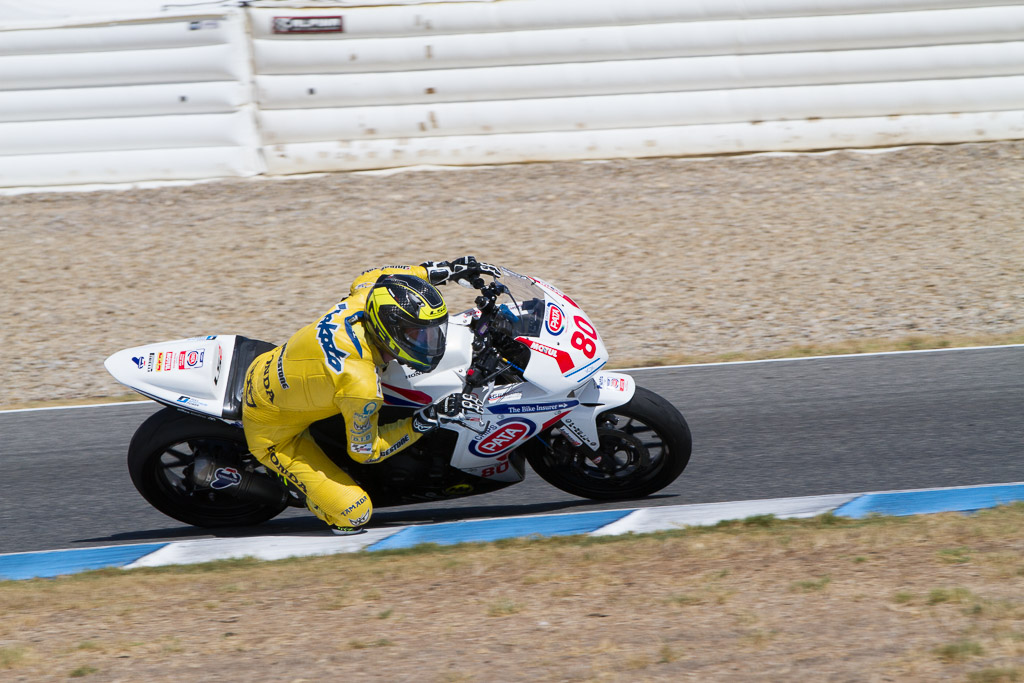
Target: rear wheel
(644, 446)
(161, 460)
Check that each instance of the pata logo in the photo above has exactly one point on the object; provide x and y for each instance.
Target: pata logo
(506, 435)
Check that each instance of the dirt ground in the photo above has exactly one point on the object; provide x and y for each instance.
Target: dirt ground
(937, 598)
(669, 256)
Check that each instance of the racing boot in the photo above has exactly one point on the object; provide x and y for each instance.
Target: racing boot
(336, 529)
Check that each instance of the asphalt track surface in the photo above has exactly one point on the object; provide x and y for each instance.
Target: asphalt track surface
(761, 430)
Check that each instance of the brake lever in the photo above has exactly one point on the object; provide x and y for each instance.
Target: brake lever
(465, 423)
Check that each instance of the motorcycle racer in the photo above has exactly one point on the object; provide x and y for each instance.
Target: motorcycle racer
(332, 366)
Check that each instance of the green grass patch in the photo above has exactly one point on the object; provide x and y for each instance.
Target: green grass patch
(83, 671)
(363, 645)
(503, 608)
(684, 600)
(955, 555)
(939, 596)
(995, 675)
(959, 651)
(10, 656)
(811, 585)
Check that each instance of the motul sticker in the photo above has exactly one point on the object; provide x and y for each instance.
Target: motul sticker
(563, 358)
(308, 25)
(507, 434)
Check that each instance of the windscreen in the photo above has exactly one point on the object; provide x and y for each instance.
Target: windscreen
(523, 305)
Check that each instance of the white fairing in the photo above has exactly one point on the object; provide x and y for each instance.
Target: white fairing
(403, 386)
(567, 350)
(563, 386)
(187, 373)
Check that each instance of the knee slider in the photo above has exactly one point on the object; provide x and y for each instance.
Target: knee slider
(339, 505)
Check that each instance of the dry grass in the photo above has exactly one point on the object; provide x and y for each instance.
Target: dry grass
(761, 599)
(723, 255)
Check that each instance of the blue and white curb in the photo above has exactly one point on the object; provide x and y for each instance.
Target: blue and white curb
(599, 523)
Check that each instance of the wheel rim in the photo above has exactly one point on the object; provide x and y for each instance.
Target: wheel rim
(172, 476)
(631, 452)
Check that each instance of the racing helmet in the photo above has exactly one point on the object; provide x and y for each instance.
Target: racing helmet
(408, 317)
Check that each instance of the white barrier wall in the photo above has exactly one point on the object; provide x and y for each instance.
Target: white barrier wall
(527, 80)
(159, 97)
(222, 90)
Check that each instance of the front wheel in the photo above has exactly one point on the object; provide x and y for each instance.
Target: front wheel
(162, 461)
(644, 446)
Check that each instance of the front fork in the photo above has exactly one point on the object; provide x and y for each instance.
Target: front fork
(604, 391)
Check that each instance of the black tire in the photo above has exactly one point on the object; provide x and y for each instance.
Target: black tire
(645, 446)
(161, 452)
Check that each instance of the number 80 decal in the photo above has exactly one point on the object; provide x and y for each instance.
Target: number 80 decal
(585, 337)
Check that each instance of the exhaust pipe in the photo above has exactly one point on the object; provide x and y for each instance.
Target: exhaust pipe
(237, 481)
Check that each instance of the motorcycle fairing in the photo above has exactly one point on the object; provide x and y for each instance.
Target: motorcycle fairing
(405, 387)
(191, 374)
(567, 349)
(605, 391)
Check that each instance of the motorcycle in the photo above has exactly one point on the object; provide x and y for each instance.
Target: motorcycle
(526, 350)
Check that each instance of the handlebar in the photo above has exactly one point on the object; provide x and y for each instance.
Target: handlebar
(491, 338)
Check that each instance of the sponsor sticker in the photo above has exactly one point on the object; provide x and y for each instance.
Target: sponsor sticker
(220, 363)
(168, 360)
(308, 25)
(290, 476)
(361, 448)
(563, 358)
(192, 402)
(205, 23)
(280, 369)
(225, 477)
(510, 396)
(533, 407)
(506, 434)
(353, 506)
(361, 421)
(140, 361)
(390, 450)
(614, 383)
(333, 356)
(555, 320)
(149, 363)
(360, 520)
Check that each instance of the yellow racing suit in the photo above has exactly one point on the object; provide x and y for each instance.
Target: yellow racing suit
(326, 368)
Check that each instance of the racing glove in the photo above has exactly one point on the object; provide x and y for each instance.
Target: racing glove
(465, 270)
(452, 408)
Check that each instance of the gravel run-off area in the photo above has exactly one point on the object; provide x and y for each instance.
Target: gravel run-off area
(668, 256)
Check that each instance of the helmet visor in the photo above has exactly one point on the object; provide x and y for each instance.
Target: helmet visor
(424, 342)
